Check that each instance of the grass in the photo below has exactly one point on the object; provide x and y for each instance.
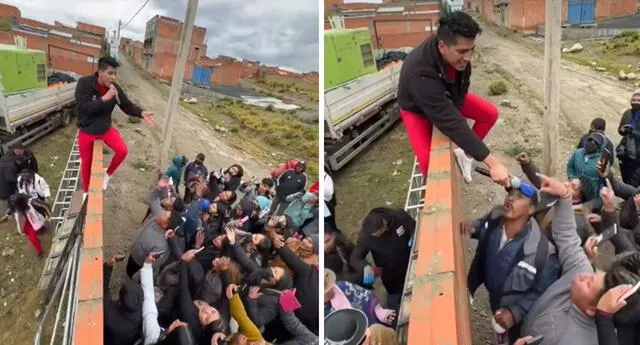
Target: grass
(141, 165)
(516, 148)
(269, 135)
(21, 295)
(498, 87)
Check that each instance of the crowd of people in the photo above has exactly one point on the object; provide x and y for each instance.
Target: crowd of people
(220, 259)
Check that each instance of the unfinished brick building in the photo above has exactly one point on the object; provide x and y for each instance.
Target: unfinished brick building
(526, 15)
(67, 48)
(162, 44)
(393, 24)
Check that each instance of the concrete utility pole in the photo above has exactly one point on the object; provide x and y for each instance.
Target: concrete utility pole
(176, 82)
(552, 61)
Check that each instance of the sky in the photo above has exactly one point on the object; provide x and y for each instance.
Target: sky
(277, 32)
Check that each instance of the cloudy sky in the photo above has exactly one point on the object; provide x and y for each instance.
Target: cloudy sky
(277, 32)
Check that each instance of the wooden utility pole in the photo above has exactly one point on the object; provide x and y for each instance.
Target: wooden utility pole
(552, 61)
(176, 82)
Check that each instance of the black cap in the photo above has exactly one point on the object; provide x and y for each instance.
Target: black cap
(175, 220)
(345, 327)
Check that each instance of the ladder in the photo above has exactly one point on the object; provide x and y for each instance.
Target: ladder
(413, 206)
(62, 220)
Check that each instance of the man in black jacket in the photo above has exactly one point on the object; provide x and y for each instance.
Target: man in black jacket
(386, 233)
(96, 96)
(30, 161)
(433, 90)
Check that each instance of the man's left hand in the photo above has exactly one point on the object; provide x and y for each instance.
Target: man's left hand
(504, 318)
(148, 118)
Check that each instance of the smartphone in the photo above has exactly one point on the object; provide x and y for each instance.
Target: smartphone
(607, 235)
(536, 340)
(631, 292)
(603, 163)
(199, 250)
(157, 255)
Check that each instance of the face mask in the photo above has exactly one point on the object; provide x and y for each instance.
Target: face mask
(590, 146)
(635, 106)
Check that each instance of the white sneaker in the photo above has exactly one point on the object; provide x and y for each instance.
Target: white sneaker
(105, 180)
(84, 197)
(465, 164)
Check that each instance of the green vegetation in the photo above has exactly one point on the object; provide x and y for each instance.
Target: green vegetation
(516, 148)
(498, 87)
(267, 134)
(132, 119)
(141, 165)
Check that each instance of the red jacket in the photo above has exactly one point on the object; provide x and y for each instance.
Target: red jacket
(291, 164)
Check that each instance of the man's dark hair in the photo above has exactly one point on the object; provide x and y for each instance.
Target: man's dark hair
(218, 326)
(232, 198)
(586, 190)
(599, 124)
(455, 24)
(200, 157)
(268, 182)
(106, 62)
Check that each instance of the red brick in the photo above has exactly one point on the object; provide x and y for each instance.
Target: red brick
(9, 11)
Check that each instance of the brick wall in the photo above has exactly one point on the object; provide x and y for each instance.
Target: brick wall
(89, 328)
(614, 8)
(9, 11)
(230, 73)
(440, 305)
(61, 53)
(92, 29)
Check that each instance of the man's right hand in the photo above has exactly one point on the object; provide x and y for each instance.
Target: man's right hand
(554, 187)
(523, 158)
(110, 94)
(499, 174)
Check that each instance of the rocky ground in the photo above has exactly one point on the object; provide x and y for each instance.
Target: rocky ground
(380, 175)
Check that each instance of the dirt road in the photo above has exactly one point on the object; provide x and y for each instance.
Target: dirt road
(584, 94)
(124, 207)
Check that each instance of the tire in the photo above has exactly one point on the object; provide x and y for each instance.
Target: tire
(66, 117)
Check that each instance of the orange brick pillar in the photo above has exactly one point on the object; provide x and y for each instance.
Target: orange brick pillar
(89, 314)
(440, 303)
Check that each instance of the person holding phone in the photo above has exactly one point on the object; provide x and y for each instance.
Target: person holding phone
(587, 163)
(628, 149)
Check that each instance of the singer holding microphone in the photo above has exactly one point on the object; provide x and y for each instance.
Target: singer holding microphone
(96, 96)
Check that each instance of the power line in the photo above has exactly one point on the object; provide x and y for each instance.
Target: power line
(140, 9)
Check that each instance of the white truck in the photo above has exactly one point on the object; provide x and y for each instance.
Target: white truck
(358, 112)
(29, 115)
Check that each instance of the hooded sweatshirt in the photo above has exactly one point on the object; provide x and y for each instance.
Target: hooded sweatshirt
(553, 315)
(174, 171)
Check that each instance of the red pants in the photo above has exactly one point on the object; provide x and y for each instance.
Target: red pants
(112, 139)
(419, 129)
(32, 235)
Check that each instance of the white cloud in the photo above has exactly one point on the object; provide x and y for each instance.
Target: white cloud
(276, 32)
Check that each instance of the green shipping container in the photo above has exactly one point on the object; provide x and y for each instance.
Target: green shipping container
(22, 69)
(348, 54)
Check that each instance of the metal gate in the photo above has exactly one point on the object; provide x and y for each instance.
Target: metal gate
(201, 75)
(579, 12)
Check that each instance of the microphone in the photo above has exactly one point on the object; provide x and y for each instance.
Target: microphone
(515, 182)
(117, 97)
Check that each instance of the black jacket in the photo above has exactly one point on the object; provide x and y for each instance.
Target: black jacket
(94, 114)
(31, 162)
(290, 182)
(425, 89)
(8, 177)
(305, 281)
(390, 251)
(122, 326)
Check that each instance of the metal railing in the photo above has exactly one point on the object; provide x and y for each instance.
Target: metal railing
(63, 291)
